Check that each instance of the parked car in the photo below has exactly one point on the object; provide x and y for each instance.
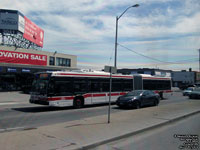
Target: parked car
(187, 91)
(138, 98)
(185, 86)
(195, 93)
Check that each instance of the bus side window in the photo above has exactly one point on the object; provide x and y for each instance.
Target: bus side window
(94, 85)
(80, 85)
(127, 85)
(105, 85)
(116, 85)
(63, 87)
(51, 91)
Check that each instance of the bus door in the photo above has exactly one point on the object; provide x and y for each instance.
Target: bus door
(137, 82)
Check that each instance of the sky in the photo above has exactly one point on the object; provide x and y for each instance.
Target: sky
(162, 34)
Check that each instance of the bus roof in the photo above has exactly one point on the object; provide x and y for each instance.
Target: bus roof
(147, 76)
(101, 74)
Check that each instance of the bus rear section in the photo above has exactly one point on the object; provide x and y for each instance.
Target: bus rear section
(160, 85)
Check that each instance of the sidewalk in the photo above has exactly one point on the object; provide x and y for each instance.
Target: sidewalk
(14, 96)
(87, 133)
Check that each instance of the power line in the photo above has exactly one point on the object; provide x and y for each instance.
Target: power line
(162, 62)
(142, 54)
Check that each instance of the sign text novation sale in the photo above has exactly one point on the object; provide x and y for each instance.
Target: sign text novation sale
(22, 58)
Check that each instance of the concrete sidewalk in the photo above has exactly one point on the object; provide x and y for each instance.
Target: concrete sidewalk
(15, 96)
(90, 132)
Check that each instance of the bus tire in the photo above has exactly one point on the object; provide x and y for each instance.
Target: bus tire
(161, 95)
(78, 102)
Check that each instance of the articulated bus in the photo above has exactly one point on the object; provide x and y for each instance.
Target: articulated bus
(79, 88)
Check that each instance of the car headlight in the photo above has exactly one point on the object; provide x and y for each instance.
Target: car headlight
(132, 99)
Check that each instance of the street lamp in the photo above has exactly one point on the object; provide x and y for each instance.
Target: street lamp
(117, 18)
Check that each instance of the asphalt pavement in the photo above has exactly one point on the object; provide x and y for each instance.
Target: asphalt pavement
(90, 132)
(16, 112)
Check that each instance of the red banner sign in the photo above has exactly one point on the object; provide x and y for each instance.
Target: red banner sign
(33, 33)
(22, 58)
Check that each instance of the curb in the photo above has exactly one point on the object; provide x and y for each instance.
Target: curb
(91, 146)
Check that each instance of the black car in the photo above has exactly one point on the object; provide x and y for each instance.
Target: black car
(138, 98)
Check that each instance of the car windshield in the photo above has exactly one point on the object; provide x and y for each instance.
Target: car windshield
(134, 93)
(190, 89)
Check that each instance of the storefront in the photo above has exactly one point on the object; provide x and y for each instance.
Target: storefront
(17, 66)
(17, 78)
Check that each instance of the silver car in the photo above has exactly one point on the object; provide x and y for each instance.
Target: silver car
(187, 91)
(195, 94)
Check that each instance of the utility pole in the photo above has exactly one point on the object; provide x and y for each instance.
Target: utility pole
(116, 32)
(199, 60)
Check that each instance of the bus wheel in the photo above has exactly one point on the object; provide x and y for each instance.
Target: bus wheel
(161, 95)
(78, 103)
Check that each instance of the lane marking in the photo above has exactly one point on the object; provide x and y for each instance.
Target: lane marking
(11, 129)
(10, 103)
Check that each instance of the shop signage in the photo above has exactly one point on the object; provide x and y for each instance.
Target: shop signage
(33, 33)
(14, 20)
(26, 70)
(22, 58)
(11, 69)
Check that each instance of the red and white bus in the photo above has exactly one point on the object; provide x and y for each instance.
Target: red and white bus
(79, 88)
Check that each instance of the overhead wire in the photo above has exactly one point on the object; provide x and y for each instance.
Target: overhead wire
(111, 57)
(161, 62)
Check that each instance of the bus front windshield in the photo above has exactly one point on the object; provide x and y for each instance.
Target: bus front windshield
(40, 85)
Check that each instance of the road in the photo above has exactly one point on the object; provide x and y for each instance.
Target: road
(184, 134)
(21, 114)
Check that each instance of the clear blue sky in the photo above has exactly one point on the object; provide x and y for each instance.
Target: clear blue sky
(166, 32)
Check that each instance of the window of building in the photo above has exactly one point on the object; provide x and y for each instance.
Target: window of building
(52, 61)
(63, 62)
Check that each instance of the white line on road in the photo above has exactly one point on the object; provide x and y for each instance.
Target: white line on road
(11, 103)
(10, 129)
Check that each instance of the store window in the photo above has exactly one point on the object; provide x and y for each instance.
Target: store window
(63, 62)
(52, 61)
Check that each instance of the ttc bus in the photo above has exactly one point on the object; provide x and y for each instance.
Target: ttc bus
(79, 88)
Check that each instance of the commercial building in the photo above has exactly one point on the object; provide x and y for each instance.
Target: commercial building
(21, 41)
(17, 65)
(197, 78)
(181, 79)
(153, 72)
(185, 78)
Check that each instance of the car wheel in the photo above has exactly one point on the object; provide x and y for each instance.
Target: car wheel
(156, 102)
(190, 97)
(137, 105)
